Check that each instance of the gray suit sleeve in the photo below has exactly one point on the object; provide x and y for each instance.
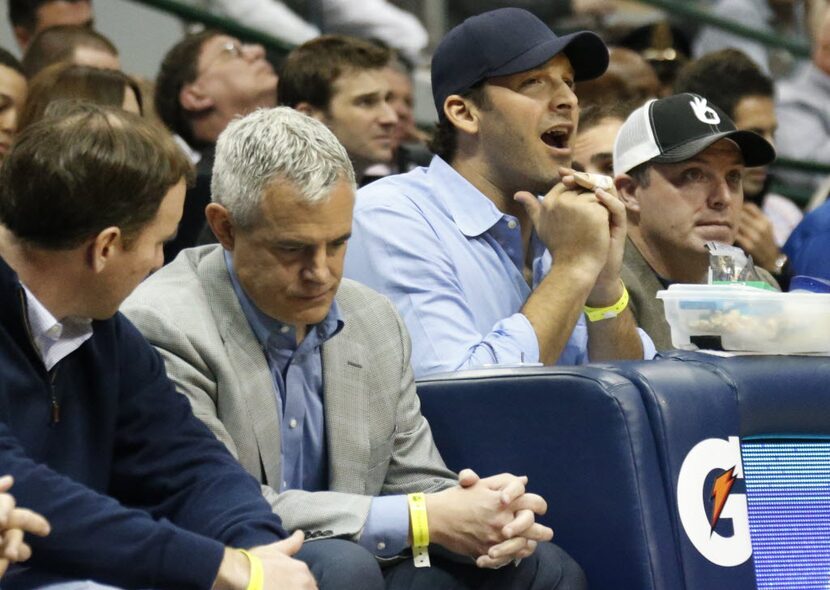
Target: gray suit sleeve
(187, 369)
(416, 464)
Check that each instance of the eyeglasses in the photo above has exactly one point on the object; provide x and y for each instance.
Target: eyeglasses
(227, 51)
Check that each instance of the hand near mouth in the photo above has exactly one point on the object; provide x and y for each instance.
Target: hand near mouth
(584, 181)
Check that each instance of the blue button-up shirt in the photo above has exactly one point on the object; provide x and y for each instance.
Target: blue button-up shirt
(452, 264)
(297, 374)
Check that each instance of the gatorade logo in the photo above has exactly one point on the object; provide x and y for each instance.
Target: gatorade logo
(704, 112)
(700, 510)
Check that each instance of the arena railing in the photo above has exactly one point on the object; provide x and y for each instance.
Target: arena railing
(213, 21)
(688, 10)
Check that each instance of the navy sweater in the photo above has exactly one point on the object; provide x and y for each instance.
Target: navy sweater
(138, 491)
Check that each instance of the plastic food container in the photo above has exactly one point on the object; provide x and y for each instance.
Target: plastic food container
(748, 319)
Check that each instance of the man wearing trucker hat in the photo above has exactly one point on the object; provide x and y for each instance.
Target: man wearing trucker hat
(463, 247)
(678, 163)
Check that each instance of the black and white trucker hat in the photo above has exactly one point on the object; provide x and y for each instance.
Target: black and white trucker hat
(675, 128)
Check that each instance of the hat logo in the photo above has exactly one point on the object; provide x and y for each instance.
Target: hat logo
(704, 112)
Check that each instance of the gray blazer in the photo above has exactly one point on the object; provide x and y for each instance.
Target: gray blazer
(378, 441)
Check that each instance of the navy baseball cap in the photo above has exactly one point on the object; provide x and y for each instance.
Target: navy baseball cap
(507, 41)
(675, 128)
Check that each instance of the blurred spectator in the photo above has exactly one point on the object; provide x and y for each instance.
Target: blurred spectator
(736, 84)
(13, 89)
(29, 17)
(663, 45)
(69, 43)
(342, 82)
(401, 98)
(809, 244)
(66, 81)
(629, 78)
(599, 124)
(678, 164)
(206, 80)
(803, 113)
(409, 143)
(296, 21)
(780, 18)
(550, 11)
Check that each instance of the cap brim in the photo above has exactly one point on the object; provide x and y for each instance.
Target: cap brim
(585, 50)
(756, 150)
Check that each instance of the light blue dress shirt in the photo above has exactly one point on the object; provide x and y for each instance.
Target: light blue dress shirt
(452, 264)
(297, 374)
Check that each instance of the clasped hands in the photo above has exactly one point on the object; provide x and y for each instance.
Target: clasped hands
(14, 522)
(584, 229)
(492, 520)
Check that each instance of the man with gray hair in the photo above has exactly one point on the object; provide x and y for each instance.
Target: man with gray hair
(307, 380)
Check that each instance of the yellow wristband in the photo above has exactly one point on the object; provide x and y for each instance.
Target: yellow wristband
(420, 529)
(596, 314)
(257, 581)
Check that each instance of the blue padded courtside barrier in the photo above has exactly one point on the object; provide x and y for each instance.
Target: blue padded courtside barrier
(784, 407)
(582, 437)
(641, 462)
(695, 417)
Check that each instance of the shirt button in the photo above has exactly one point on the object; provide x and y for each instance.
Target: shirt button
(512, 224)
(284, 485)
(381, 546)
(292, 423)
(285, 329)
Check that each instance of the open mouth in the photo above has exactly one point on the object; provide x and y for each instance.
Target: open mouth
(557, 138)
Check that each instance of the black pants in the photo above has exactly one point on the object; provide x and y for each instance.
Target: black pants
(344, 565)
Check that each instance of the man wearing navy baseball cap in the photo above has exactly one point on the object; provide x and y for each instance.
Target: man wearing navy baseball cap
(463, 247)
(678, 164)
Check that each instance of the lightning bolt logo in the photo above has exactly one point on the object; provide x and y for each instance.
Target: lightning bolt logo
(720, 493)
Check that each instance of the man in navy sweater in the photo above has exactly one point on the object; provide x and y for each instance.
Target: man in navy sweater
(138, 492)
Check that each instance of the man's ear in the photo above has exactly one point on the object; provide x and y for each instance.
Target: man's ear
(312, 111)
(221, 224)
(627, 192)
(104, 247)
(462, 113)
(193, 98)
